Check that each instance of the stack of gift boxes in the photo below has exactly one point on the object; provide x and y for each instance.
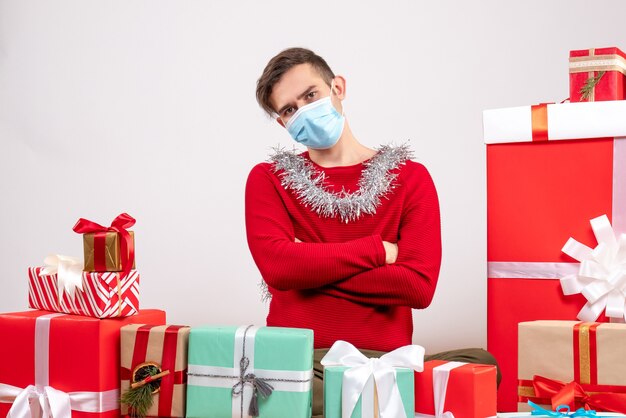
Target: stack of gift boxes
(556, 192)
(89, 351)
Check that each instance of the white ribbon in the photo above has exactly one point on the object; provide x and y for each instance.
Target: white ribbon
(381, 370)
(69, 271)
(43, 401)
(441, 375)
(601, 277)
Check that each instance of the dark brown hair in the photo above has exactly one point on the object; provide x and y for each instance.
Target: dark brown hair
(280, 64)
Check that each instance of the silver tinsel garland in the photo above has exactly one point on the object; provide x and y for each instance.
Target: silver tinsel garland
(299, 175)
(376, 182)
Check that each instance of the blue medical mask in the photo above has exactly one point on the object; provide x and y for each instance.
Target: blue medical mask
(317, 125)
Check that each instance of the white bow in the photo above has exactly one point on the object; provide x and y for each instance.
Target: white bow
(382, 369)
(69, 271)
(601, 277)
(44, 402)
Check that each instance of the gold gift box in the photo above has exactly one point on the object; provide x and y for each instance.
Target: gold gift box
(112, 252)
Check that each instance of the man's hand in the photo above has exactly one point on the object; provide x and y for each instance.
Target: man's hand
(391, 252)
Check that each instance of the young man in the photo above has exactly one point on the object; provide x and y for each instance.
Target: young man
(347, 238)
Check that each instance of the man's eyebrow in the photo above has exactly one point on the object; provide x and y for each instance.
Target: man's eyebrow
(307, 91)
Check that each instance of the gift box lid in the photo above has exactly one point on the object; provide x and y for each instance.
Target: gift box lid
(564, 121)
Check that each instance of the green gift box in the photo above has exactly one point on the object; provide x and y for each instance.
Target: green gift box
(230, 369)
(333, 383)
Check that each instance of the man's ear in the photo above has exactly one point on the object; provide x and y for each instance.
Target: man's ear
(280, 121)
(340, 87)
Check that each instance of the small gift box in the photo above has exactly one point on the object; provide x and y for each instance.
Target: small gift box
(249, 370)
(64, 364)
(149, 351)
(464, 390)
(597, 74)
(108, 248)
(70, 290)
(550, 169)
(356, 386)
(578, 364)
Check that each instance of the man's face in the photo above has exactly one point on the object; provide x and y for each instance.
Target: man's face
(298, 87)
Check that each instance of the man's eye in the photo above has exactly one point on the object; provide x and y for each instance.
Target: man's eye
(311, 94)
(288, 111)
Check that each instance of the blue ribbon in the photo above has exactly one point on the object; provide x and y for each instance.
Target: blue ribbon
(581, 412)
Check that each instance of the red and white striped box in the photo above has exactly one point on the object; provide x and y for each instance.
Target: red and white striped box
(103, 294)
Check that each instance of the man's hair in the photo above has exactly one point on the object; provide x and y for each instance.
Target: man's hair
(282, 63)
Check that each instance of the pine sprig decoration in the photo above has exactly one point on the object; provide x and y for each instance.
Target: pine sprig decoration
(590, 84)
(139, 399)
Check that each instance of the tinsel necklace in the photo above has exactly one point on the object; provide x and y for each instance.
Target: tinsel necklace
(377, 180)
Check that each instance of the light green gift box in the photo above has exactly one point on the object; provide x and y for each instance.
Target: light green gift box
(333, 383)
(281, 356)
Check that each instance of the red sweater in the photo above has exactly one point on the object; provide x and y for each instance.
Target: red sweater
(336, 282)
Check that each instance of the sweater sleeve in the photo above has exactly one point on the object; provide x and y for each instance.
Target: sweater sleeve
(412, 280)
(285, 264)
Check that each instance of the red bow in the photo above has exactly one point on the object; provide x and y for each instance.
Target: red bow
(119, 225)
(574, 395)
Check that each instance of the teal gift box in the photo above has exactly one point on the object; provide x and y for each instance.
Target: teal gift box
(333, 383)
(230, 369)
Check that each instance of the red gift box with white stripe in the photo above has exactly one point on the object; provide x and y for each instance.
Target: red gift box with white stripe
(550, 170)
(103, 294)
(67, 365)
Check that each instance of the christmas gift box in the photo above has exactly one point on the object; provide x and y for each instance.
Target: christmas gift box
(597, 74)
(108, 248)
(577, 364)
(59, 365)
(154, 369)
(248, 370)
(100, 295)
(356, 386)
(550, 169)
(463, 390)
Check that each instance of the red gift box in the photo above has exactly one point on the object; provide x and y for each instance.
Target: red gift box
(466, 390)
(103, 295)
(603, 70)
(60, 359)
(543, 187)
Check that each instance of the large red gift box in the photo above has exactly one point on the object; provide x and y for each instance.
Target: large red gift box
(550, 170)
(463, 389)
(103, 295)
(63, 359)
(604, 68)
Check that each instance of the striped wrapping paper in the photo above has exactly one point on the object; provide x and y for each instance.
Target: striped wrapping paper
(103, 294)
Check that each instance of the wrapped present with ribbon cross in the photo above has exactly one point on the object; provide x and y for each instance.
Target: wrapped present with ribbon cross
(154, 370)
(62, 286)
(550, 169)
(359, 387)
(108, 248)
(577, 364)
(54, 365)
(250, 371)
(597, 74)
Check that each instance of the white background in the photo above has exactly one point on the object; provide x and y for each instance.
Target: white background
(148, 107)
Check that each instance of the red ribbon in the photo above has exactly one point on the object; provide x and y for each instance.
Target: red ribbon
(574, 395)
(539, 116)
(119, 225)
